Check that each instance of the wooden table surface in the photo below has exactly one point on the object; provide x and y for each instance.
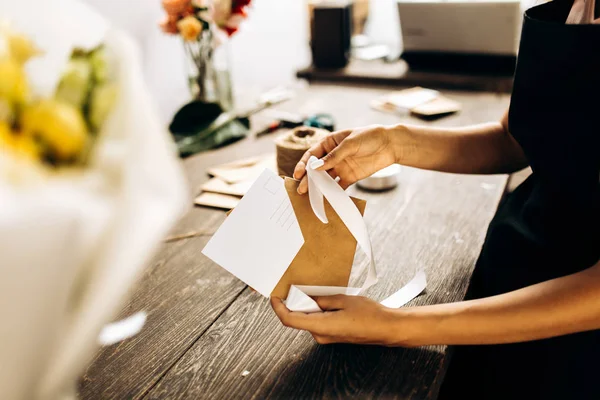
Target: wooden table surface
(205, 327)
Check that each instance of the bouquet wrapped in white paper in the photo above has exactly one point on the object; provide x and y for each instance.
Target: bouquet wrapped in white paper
(74, 238)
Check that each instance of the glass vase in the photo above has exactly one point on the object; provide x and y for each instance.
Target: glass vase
(209, 69)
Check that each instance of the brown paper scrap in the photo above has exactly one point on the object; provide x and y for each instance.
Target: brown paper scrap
(243, 170)
(217, 200)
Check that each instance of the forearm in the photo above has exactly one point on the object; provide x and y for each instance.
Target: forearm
(557, 307)
(479, 149)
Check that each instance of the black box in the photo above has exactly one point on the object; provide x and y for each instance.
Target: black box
(331, 34)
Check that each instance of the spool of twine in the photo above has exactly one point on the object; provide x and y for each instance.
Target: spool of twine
(292, 145)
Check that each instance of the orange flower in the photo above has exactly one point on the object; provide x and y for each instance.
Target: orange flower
(187, 12)
(190, 28)
(169, 25)
(174, 7)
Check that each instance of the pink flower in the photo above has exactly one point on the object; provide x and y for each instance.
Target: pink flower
(221, 11)
(234, 21)
(169, 25)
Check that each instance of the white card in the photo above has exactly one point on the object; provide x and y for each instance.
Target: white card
(260, 238)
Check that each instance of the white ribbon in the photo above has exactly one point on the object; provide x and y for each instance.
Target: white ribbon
(320, 186)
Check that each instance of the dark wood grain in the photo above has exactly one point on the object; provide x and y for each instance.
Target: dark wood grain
(433, 222)
(183, 294)
(398, 73)
(205, 328)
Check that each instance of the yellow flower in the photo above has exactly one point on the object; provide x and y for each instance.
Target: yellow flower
(19, 145)
(190, 28)
(59, 126)
(13, 81)
(21, 48)
(6, 110)
(27, 147)
(6, 135)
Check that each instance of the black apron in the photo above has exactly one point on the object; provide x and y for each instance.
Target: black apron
(550, 225)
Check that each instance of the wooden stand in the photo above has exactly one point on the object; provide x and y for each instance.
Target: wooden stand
(398, 73)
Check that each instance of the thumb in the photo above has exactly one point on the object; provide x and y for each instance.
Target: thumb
(331, 303)
(345, 149)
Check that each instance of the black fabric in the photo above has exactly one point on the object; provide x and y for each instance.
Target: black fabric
(550, 225)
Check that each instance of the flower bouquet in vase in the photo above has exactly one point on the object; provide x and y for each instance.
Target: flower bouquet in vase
(205, 27)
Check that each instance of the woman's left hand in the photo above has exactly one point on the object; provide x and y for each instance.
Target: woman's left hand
(346, 319)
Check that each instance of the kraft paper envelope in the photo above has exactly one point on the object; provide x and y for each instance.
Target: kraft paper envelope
(327, 255)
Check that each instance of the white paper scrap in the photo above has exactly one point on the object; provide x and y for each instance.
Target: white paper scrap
(411, 98)
(408, 292)
(260, 238)
(123, 329)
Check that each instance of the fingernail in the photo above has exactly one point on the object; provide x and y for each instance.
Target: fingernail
(317, 164)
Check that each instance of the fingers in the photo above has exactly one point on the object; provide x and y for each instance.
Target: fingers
(319, 150)
(316, 323)
(300, 169)
(344, 184)
(291, 319)
(280, 309)
(331, 303)
(303, 186)
(337, 155)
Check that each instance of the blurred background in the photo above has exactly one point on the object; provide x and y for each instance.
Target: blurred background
(273, 43)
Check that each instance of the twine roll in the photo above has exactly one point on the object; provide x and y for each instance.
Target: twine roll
(292, 145)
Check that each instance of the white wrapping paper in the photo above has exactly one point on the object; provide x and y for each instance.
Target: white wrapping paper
(73, 242)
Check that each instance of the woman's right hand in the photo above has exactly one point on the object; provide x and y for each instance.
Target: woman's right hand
(350, 155)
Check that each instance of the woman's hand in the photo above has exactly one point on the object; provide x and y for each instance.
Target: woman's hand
(350, 155)
(347, 319)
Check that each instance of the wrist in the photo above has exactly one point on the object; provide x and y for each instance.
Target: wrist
(402, 143)
(411, 327)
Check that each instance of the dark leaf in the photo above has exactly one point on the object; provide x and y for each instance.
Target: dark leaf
(194, 117)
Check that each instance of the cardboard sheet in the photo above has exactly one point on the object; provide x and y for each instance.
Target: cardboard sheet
(244, 170)
(217, 200)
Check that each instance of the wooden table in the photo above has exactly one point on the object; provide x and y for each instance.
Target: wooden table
(206, 328)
